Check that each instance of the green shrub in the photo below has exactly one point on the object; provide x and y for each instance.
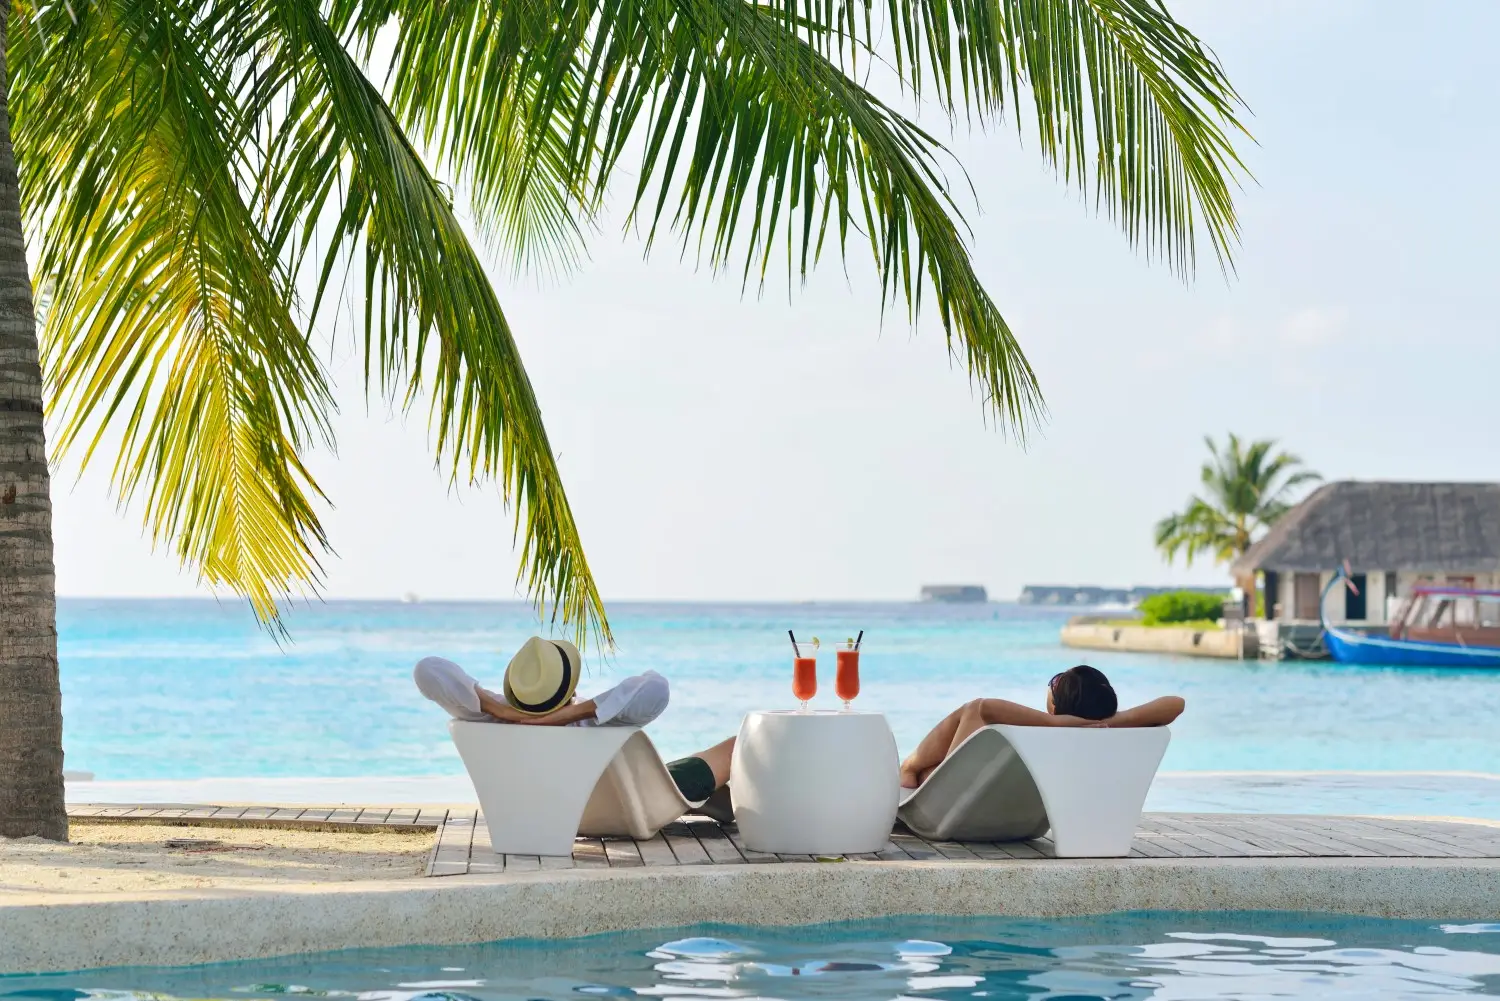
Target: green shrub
(1182, 606)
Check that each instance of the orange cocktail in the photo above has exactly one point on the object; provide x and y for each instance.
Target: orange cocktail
(805, 672)
(846, 681)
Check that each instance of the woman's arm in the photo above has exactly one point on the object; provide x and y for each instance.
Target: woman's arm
(1001, 711)
(1157, 712)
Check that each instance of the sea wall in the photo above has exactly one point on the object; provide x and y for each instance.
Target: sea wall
(1091, 633)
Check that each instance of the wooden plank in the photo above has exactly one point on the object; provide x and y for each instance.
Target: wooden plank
(1480, 842)
(315, 815)
(988, 851)
(1265, 841)
(1018, 849)
(523, 863)
(1158, 845)
(655, 851)
(550, 862)
(1044, 847)
(714, 841)
(257, 813)
(622, 853)
(1458, 847)
(432, 818)
(1414, 844)
(1190, 846)
(684, 844)
(373, 815)
(1218, 845)
(953, 850)
(893, 852)
(1150, 848)
(1387, 844)
(345, 816)
(85, 810)
(1241, 842)
(482, 857)
(588, 853)
(1482, 839)
(1314, 842)
(288, 813)
(914, 846)
(403, 816)
(450, 856)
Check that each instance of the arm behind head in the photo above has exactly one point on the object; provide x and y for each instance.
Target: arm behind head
(1157, 712)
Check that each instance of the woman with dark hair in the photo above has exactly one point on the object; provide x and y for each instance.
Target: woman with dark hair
(1079, 696)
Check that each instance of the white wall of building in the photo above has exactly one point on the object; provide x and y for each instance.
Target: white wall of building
(1377, 601)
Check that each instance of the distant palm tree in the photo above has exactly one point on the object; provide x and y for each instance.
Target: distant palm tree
(1247, 490)
(187, 166)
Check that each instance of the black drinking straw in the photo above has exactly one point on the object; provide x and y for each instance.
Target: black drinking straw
(794, 642)
(859, 639)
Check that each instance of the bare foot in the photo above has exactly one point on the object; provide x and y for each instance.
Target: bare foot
(910, 777)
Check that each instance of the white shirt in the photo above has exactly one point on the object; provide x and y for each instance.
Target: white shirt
(635, 701)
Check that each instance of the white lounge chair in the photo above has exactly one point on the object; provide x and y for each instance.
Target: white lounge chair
(1011, 783)
(541, 786)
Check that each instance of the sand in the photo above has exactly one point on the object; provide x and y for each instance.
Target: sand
(115, 858)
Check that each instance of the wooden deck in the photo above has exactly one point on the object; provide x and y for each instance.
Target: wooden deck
(463, 845)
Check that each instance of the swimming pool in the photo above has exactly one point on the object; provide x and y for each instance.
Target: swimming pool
(1244, 955)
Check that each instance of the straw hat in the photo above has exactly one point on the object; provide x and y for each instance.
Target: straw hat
(542, 676)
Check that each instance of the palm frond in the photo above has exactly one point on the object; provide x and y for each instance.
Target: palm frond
(1200, 528)
(433, 326)
(1125, 99)
(460, 82)
(749, 140)
(170, 324)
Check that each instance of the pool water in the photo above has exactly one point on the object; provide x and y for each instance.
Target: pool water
(1148, 955)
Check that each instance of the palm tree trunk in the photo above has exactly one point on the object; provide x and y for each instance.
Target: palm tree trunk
(31, 756)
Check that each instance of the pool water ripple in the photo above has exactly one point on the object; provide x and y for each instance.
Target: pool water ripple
(1178, 957)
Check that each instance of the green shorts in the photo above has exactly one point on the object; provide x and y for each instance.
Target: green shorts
(695, 780)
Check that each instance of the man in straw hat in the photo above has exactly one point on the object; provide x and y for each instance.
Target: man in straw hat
(540, 689)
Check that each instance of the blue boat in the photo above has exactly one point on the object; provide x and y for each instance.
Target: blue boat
(1437, 626)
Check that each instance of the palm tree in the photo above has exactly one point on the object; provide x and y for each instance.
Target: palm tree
(1248, 490)
(187, 168)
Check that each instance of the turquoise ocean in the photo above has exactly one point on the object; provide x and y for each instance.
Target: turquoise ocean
(193, 689)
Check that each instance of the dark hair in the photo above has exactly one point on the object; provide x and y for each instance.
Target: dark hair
(1083, 691)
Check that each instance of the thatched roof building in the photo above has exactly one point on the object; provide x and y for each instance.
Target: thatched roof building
(1391, 534)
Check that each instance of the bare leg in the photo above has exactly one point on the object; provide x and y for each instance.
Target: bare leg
(718, 806)
(931, 751)
(718, 758)
(970, 718)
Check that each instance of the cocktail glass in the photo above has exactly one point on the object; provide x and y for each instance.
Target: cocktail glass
(846, 680)
(805, 672)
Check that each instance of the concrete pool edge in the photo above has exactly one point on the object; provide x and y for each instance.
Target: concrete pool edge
(59, 933)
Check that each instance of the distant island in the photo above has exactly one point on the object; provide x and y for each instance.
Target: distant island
(1047, 594)
(954, 592)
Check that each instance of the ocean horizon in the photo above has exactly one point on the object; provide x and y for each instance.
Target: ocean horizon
(170, 693)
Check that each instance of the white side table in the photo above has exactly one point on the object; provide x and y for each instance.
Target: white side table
(815, 783)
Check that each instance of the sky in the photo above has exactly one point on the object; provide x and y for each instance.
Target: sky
(796, 445)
